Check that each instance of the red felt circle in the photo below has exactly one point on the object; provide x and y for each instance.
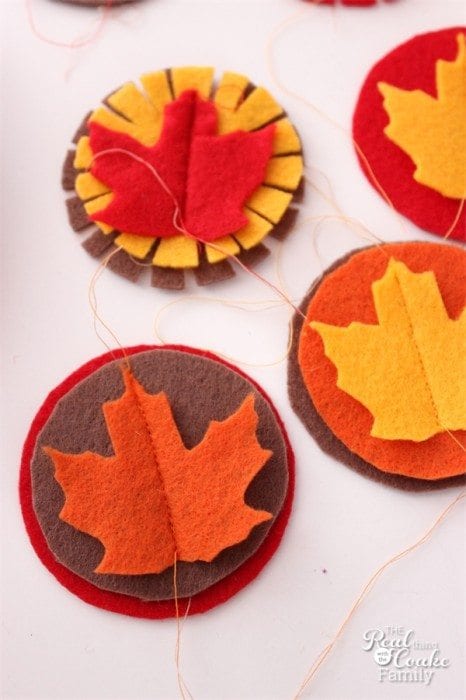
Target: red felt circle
(410, 66)
(117, 602)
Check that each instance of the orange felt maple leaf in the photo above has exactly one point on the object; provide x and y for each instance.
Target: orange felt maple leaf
(154, 500)
(192, 172)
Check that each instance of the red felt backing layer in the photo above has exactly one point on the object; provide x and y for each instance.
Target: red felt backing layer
(410, 66)
(126, 605)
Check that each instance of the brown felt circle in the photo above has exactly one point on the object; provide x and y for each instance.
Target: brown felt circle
(199, 390)
(303, 405)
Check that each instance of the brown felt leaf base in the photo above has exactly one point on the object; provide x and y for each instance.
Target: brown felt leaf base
(327, 441)
(77, 424)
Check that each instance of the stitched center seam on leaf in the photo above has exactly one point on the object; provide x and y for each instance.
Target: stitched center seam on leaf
(418, 351)
(171, 522)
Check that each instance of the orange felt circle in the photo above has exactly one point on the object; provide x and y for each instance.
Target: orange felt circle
(345, 295)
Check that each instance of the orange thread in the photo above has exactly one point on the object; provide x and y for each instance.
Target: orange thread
(229, 86)
(183, 688)
(76, 43)
(264, 305)
(372, 176)
(179, 224)
(368, 586)
(92, 298)
(456, 219)
(270, 65)
(330, 199)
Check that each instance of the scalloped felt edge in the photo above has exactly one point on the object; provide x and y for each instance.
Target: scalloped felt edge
(306, 411)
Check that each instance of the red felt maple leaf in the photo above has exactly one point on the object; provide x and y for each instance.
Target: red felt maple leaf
(210, 176)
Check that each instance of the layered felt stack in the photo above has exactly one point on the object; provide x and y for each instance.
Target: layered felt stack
(410, 127)
(181, 174)
(376, 370)
(124, 476)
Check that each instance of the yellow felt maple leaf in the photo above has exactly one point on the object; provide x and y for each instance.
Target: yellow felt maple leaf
(432, 131)
(155, 500)
(409, 371)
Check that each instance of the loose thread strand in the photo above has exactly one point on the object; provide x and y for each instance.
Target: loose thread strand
(179, 225)
(92, 298)
(240, 304)
(183, 688)
(269, 47)
(293, 19)
(456, 219)
(77, 43)
(353, 223)
(368, 587)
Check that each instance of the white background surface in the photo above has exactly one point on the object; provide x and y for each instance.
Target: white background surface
(260, 644)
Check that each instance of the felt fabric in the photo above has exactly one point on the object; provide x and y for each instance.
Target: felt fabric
(304, 407)
(222, 249)
(254, 232)
(80, 404)
(88, 187)
(435, 140)
(231, 91)
(177, 252)
(258, 108)
(255, 255)
(210, 176)
(344, 295)
(143, 119)
(132, 115)
(157, 88)
(121, 263)
(96, 204)
(190, 502)
(167, 278)
(270, 203)
(286, 224)
(68, 173)
(242, 105)
(144, 133)
(98, 243)
(136, 246)
(77, 215)
(206, 273)
(286, 141)
(198, 78)
(83, 155)
(408, 370)
(410, 67)
(284, 172)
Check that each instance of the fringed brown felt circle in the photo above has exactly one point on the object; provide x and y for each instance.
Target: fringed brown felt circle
(156, 209)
